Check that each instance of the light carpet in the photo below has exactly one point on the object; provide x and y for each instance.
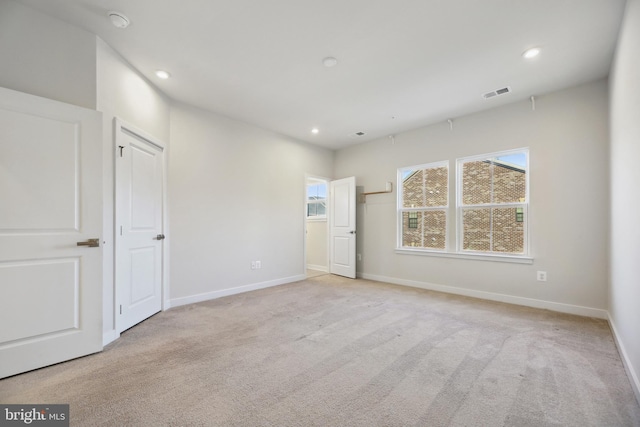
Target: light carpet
(330, 351)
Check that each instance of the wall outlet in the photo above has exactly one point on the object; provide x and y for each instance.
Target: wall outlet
(541, 276)
(359, 257)
(259, 265)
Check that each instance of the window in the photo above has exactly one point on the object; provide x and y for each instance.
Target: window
(423, 206)
(490, 215)
(493, 202)
(317, 200)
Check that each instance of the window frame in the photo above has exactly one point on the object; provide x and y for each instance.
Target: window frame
(460, 206)
(453, 237)
(310, 183)
(400, 209)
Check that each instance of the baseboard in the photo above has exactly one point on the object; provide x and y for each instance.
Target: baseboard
(109, 336)
(317, 267)
(631, 372)
(176, 302)
(528, 302)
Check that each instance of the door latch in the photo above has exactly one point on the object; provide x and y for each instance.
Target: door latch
(92, 243)
(160, 237)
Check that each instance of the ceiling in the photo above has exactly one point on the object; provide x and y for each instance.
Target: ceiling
(402, 64)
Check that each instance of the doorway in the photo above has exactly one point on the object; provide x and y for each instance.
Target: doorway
(316, 226)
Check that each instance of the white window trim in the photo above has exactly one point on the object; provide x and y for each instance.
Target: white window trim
(460, 205)
(400, 209)
(457, 252)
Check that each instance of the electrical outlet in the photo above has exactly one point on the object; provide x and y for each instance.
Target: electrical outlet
(258, 265)
(359, 257)
(542, 276)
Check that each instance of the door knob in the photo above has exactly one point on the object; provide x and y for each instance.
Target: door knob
(92, 243)
(160, 237)
(352, 232)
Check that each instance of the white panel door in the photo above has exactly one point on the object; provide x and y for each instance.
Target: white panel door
(342, 217)
(50, 200)
(139, 226)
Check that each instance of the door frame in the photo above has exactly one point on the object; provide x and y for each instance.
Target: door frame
(308, 177)
(120, 126)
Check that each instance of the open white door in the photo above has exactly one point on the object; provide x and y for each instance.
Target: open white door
(50, 203)
(139, 226)
(342, 217)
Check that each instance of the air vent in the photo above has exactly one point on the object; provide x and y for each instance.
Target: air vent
(357, 135)
(497, 92)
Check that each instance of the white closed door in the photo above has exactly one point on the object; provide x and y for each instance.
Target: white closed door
(50, 201)
(139, 226)
(342, 218)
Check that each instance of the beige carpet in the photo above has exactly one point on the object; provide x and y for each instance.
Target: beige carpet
(329, 351)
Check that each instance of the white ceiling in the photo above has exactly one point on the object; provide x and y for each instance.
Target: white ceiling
(402, 64)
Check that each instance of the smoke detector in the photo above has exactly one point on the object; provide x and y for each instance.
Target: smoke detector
(119, 19)
(497, 92)
(357, 135)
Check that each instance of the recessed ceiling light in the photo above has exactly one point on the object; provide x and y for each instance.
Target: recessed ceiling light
(314, 131)
(119, 19)
(163, 74)
(330, 61)
(531, 53)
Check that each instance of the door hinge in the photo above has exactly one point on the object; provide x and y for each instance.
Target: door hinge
(121, 230)
(121, 147)
(120, 308)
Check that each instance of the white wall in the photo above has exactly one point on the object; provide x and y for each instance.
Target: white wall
(568, 140)
(122, 92)
(624, 292)
(317, 245)
(46, 57)
(236, 195)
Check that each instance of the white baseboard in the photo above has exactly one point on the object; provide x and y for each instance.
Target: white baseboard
(176, 302)
(528, 302)
(318, 267)
(631, 372)
(109, 336)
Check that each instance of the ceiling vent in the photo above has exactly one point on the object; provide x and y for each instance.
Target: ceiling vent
(357, 135)
(497, 92)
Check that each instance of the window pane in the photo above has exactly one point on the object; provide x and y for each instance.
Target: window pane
(311, 209)
(435, 229)
(508, 232)
(413, 189)
(321, 209)
(476, 235)
(425, 187)
(412, 236)
(424, 229)
(476, 182)
(436, 180)
(322, 191)
(509, 183)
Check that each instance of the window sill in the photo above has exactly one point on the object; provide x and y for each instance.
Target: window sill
(517, 259)
(317, 219)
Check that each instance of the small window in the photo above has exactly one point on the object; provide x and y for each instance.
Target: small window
(317, 200)
(413, 219)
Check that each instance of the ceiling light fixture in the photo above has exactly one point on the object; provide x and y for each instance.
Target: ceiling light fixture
(531, 53)
(163, 74)
(330, 61)
(314, 131)
(119, 19)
